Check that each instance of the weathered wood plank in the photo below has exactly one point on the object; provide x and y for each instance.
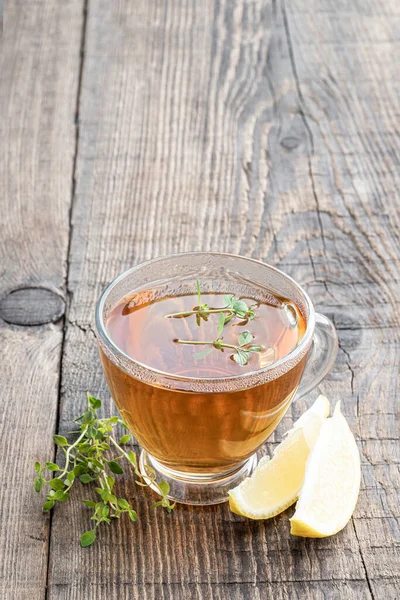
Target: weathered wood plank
(321, 590)
(265, 129)
(349, 98)
(38, 84)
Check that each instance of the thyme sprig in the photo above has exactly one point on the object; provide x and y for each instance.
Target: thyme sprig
(242, 351)
(233, 308)
(89, 459)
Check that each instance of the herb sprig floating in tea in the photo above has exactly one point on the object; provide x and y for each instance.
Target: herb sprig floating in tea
(233, 308)
(89, 459)
(242, 350)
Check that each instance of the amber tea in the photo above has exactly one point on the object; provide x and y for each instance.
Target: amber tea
(194, 332)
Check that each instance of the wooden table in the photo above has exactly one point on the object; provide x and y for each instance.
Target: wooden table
(138, 128)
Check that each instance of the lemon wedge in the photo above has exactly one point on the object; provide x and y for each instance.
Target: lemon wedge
(276, 483)
(331, 483)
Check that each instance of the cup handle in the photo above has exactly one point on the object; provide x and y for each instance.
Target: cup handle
(324, 348)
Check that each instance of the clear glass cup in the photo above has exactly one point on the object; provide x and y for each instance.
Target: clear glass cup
(201, 435)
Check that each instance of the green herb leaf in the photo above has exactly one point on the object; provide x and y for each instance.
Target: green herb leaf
(115, 467)
(84, 447)
(229, 300)
(86, 478)
(198, 291)
(37, 467)
(52, 466)
(202, 354)
(94, 402)
(133, 516)
(56, 484)
(164, 488)
(89, 503)
(60, 496)
(88, 416)
(241, 357)
(132, 457)
(124, 504)
(113, 499)
(78, 470)
(60, 440)
(48, 505)
(110, 481)
(71, 477)
(88, 538)
(239, 306)
(104, 494)
(125, 439)
(221, 324)
(96, 463)
(38, 484)
(254, 348)
(245, 338)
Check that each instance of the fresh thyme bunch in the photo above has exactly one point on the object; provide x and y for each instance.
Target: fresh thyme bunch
(88, 459)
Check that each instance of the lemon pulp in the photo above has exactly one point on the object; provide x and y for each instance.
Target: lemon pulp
(331, 483)
(276, 483)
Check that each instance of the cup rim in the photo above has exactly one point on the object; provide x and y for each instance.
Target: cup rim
(114, 349)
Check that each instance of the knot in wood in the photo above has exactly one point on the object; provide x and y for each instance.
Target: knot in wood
(31, 306)
(290, 143)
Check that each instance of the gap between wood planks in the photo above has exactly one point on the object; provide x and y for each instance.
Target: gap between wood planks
(67, 259)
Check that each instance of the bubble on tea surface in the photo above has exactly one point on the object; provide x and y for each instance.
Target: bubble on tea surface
(266, 357)
(291, 314)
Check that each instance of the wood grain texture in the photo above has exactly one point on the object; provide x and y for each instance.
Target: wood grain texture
(38, 85)
(262, 128)
(269, 129)
(354, 590)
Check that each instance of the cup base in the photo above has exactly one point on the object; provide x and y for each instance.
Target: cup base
(200, 490)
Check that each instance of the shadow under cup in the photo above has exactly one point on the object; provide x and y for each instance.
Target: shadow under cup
(202, 435)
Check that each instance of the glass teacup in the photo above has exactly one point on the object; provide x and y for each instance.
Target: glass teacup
(201, 434)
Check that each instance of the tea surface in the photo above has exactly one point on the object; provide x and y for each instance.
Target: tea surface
(141, 329)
